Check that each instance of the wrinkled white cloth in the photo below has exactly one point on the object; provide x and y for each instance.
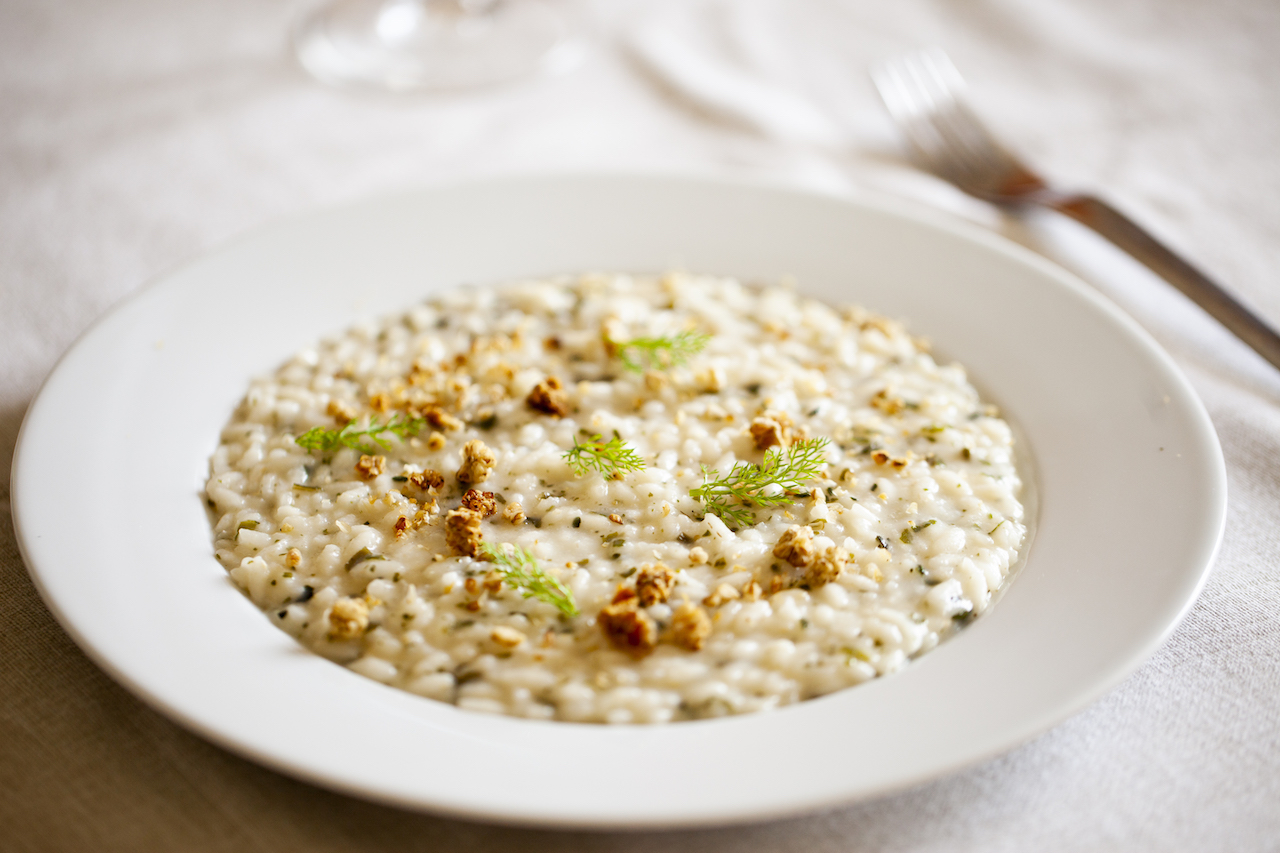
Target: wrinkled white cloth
(136, 134)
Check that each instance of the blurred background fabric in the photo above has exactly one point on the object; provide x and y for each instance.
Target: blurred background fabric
(138, 134)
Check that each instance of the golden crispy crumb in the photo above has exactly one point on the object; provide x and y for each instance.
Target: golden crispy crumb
(751, 592)
(471, 585)
(462, 531)
(827, 566)
(427, 481)
(548, 396)
(653, 583)
(626, 626)
(482, 502)
(477, 462)
(513, 512)
(766, 433)
(895, 462)
(341, 412)
(435, 441)
(402, 526)
(380, 402)
(440, 419)
(697, 555)
(885, 403)
(723, 593)
(615, 518)
(690, 626)
(293, 558)
(795, 546)
(710, 380)
(656, 380)
(493, 581)
(506, 637)
(369, 467)
(348, 619)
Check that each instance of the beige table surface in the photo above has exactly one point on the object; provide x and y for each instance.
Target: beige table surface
(136, 134)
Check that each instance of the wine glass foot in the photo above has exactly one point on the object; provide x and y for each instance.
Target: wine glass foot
(403, 45)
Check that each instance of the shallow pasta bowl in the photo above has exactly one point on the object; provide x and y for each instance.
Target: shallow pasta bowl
(1127, 473)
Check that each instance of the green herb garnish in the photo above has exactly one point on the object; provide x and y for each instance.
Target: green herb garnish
(662, 353)
(607, 457)
(519, 569)
(909, 532)
(768, 484)
(351, 435)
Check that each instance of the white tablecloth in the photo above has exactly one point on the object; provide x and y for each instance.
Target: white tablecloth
(136, 134)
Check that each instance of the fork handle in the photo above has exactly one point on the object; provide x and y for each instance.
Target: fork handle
(1128, 235)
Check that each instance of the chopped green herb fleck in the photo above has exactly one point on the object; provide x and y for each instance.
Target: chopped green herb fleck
(909, 532)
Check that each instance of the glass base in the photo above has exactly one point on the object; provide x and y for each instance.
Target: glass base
(404, 45)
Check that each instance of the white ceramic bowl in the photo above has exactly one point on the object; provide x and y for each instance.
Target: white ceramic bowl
(112, 459)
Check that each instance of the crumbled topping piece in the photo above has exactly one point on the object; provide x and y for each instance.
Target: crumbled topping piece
(656, 380)
(615, 518)
(348, 618)
(427, 481)
(293, 558)
(507, 638)
(462, 531)
(770, 430)
(826, 568)
(369, 467)
(493, 581)
(723, 593)
(697, 555)
(341, 412)
(690, 626)
(513, 512)
(653, 583)
(626, 626)
(795, 545)
(751, 592)
(440, 419)
(897, 463)
(482, 502)
(380, 402)
(710, 380)
(435, 441)
(477, 462)
(887, 404)
(548, 396)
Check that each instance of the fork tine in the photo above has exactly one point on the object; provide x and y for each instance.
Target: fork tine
(924, 94)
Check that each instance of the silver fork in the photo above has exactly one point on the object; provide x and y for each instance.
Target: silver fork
(923, 92)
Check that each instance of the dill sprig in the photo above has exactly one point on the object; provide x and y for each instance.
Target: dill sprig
(661, 353)
(768, 484)
(351, 435)
(608, 457)
(520, 570)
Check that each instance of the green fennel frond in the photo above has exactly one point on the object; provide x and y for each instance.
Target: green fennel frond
(768, 484)
(351, 435)
(520, 571)
(608, 457)
(662, 353)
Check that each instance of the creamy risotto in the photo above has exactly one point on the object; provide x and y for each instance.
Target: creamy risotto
(616, 498)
